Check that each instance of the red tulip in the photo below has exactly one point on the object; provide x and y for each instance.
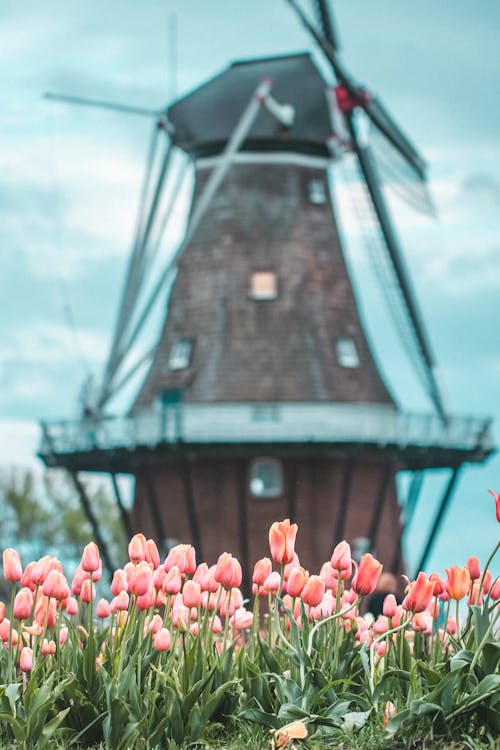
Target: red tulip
(282, 541)
(458, 582)
(419, 595)
(473, 567)
(12, 567)
(313, 591)
(91, 562)
(23, 604)
(367, 575)
(496, 496)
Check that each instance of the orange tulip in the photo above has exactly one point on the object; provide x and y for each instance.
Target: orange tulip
(261, 570)
(313, 591)
(228, 571)
(91, 562)
(296, 581)
(367, 575)
(458, 582)
(297, 730)
(12, 567)
(282, 541)
(184, 556)
(419, 595)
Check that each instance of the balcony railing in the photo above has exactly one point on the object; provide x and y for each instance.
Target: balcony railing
(246, 423)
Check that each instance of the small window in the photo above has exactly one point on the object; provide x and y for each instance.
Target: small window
(180, 355)
(264, 285)
(266, 478)
(347, 355)
(316, 190)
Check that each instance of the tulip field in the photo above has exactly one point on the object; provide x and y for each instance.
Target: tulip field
(175, 656)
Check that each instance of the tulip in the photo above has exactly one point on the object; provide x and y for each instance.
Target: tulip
(152, 554)
(119, 582)
(23, 604)
(422, 621)
(294, 562)
(48, 647)
(12, 567)
(217, 625)
(329, 576)
(172, 583)
(282, 541)
(138, 548)
(325, 608)
(242, 619)
(496, 496)
(367, 575)
(495, 590)
(261, 570)
(55, 585)
(91, 562)
(390, 606)
(341, 560)
(313, 591)
(79, 577)
(439, 585)
(473, 567)
(26, 576)
(162, 640)
(88, 592)
(191, 594)
(2, 611)
(419, 595)
(296, 581)
(34, 629)
(45, 611)
(271, 584)
(228, 571)
(487, 582)
(146, 600)
(156, 624)
(103, 609)
(71, 606)
(141, 579)
(458, 582)
(120, 602)
(451, 626)
(184, 556)
(42, 568)
(26, 660)
(4, 630)
(389, 711)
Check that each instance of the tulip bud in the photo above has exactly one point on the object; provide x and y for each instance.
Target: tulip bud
(103, 609)
(162, 640)
(367, 575)
(262, 569)
(137, 548)
(88, 592)
(71, 606)
(26, 660)
(390, 605)
(313, 591)
(23, 604)
(282, 541)
(473, 567)
(458, 582)
(91, 561)
(191, 594)
(12, 567)
(152, 554)
(296, 581)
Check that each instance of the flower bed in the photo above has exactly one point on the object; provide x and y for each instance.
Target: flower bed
(173, 655)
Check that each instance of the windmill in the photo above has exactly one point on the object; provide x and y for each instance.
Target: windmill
(261, 397)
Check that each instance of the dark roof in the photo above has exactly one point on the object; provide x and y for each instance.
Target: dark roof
(205, 119)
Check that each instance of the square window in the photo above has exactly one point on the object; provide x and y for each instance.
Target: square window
(180, 355)
(347, 355)
(316, 190)
(266, 478)
(264, 285)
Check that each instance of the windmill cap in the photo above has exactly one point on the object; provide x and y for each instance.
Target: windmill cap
(205, 119)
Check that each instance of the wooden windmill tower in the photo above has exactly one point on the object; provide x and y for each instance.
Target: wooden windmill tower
(262, 398)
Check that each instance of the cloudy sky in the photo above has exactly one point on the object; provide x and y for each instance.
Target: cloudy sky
(70, 180)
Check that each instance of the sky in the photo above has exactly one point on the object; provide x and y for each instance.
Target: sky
(70, 180)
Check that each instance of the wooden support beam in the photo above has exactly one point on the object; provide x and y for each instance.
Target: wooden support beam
(123, 511)
(291, 479)
(438, 520)
(189, 499)
(92, 519)
(241, 478)
(387, 472)
(153, 504)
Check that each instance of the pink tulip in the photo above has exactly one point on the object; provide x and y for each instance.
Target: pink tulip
(12, 567)
(496, 497)
(23, 604)
(313, 591)
(152, 554)
(146, 600)
(282, 541)
(296, 581)
(56, 585)
(141, 579)
(26, 660)
(172, 583)
(191, 594)
(88, 592)
(26, 576)
(71, 606)
(458, 582)
(419, 595)
(367, 575)
(228, 571)
(91, 562)
(184, 556)
(341, 560)
(137, 548)
(390, 605)
(103, 609)
(162, 640)
(119, 582)
(261, 570)
(48, 647)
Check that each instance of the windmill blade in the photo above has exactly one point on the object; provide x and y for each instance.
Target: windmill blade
(407, 297)
(399, 176)
(325, 18)
(101, 104)
(375, 110)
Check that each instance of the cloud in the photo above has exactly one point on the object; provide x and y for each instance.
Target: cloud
(19, 441)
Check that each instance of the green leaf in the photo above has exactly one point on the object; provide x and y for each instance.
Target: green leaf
(354, 720)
